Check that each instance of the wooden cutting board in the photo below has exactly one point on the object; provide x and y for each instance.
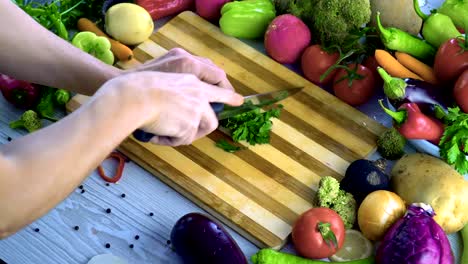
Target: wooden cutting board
(259, 191)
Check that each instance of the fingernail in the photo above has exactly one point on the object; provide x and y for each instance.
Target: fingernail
(239, 99)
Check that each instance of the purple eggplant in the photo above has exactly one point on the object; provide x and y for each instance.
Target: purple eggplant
(426, 95)
(199, 239)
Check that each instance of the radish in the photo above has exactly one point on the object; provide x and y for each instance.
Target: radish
(210, 9)
(286, 38)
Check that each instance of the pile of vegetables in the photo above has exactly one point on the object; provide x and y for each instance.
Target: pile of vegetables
(38, 102)
(351, 48)
(410, 218)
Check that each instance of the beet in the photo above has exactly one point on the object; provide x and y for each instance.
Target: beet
(286, 38)
(363, 177)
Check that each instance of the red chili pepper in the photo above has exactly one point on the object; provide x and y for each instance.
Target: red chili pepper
(413, 124)
(19, 93)
(118, 174)
(163, 8)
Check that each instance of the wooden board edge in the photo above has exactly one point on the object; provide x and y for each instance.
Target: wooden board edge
(123, 148)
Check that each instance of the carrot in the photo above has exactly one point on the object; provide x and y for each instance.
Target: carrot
(417, 66)
(121, 51)
(392, 66)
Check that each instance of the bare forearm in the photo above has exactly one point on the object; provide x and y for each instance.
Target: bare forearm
(41, 169)
(30, 52)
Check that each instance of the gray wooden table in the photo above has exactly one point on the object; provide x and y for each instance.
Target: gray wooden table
(57, 241)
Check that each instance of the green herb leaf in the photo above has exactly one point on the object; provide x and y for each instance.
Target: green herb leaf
(454, 140)
(253, 126)
(226, 146)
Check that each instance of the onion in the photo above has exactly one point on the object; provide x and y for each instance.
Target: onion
(379, 210)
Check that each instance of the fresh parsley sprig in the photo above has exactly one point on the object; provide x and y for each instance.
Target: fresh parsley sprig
(454, 141)
(60, 16)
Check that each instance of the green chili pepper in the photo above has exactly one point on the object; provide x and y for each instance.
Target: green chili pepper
(437, 27)
(399, 40)
(61, 30)
(247, 19)
(97, 46)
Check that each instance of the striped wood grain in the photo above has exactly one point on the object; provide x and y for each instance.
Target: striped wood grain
(261, 190)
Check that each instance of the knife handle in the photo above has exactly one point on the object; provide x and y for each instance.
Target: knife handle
(143, 136)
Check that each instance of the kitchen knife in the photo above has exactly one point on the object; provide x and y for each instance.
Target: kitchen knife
(225, 111)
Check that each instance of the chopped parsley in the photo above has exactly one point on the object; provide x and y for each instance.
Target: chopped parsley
(253, 127)
(226, 146)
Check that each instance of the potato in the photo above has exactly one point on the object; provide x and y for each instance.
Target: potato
(421, 178)
(128, 23)
(396, 13)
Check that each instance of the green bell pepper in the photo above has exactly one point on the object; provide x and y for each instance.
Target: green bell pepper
(457, 10)
(437, 27)
(247, 19)
(99, 47)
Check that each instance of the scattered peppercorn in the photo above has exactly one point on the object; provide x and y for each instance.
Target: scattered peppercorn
(9, 138)
(151, 214)
(107, 184)
(108, 210)
(131, 246)
(137, 237)
(82, 191)
(123, 195)
(81, 187)
(107, 245)
(76, 228)
(168, 242)
(36, 230)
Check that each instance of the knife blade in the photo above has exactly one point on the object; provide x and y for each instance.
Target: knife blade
(225, 111)
(255, 101)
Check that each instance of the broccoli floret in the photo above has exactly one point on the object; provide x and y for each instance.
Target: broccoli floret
(29, 120)
(329, 195)
(331, 21)
(345, 205)
(328, 191)
(335, 19)
(391, 144)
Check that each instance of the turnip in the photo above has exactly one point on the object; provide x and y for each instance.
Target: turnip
(210, 9)
(286, 38)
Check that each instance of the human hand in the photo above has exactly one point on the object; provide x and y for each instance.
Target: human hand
(175, 106)
(178, 60)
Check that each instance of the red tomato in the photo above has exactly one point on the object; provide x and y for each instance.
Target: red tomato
(360, 90)
(210, 9)
(163, 8)
(371, 63)
(451, 60)
(315, 62)
(307, 239)
(460, 91)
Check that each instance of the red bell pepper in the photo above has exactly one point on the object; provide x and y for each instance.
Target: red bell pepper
(21, 94)
(118, 174)
(413, 124)
(162, 8)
